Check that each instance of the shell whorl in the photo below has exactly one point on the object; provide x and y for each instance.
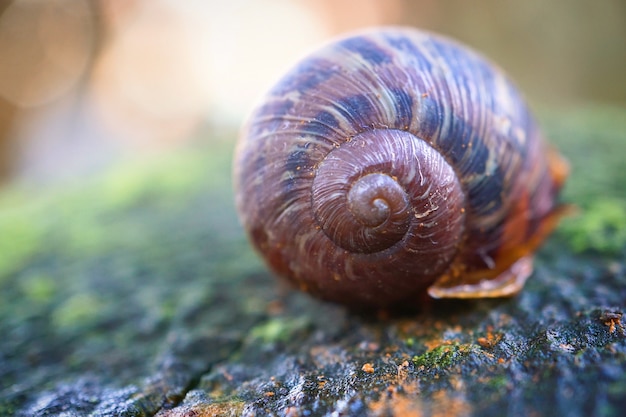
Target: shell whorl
(386, 159)
(386, 187)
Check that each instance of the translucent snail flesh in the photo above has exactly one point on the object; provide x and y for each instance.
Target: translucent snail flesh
(394, 162)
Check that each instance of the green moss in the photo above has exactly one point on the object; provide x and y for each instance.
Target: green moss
(278, 329)
(38, 288)
(7, 409)
(498, 382)
(443, 356)
(21, 238)
(593, 139)
(96, 215)
(154, 181)
(600, 226)
(92, 224)
(78, 311)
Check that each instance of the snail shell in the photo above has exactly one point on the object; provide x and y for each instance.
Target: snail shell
(394, 162)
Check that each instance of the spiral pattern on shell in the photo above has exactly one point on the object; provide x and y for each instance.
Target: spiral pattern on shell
(391, 160)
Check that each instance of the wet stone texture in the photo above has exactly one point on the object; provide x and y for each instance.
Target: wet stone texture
(136, 294)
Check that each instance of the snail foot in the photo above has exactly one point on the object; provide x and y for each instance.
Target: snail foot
(506, 284)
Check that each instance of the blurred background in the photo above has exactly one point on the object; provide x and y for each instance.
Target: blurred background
(85, 83)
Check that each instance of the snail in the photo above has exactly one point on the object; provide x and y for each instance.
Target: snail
(393, 163)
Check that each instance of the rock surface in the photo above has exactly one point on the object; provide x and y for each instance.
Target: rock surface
(136, 294)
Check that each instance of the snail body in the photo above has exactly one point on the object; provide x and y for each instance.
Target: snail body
(395, 162)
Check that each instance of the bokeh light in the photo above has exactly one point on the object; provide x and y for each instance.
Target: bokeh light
(85, 82)
(45, 48)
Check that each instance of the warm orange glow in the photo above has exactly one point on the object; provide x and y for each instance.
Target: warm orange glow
(124, 75)
(146, 84)
(45, 47)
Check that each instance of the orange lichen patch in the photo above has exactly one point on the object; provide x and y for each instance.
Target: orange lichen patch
(401, 399)
(420, 328)
(613, 321)
(411, 388)
(368, 367)
(490, 340)
(369, 346)
(269, 393)
(396, 405)
(446, 406)
(408, 326)
(504, 319)
(292, 412)
(322, 356)
(457, 383)
(225, 409)
(391, 349)
(403, 372)
(435, 343)
(611, 324)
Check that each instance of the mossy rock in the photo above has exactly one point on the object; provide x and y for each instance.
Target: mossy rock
(136, 294)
